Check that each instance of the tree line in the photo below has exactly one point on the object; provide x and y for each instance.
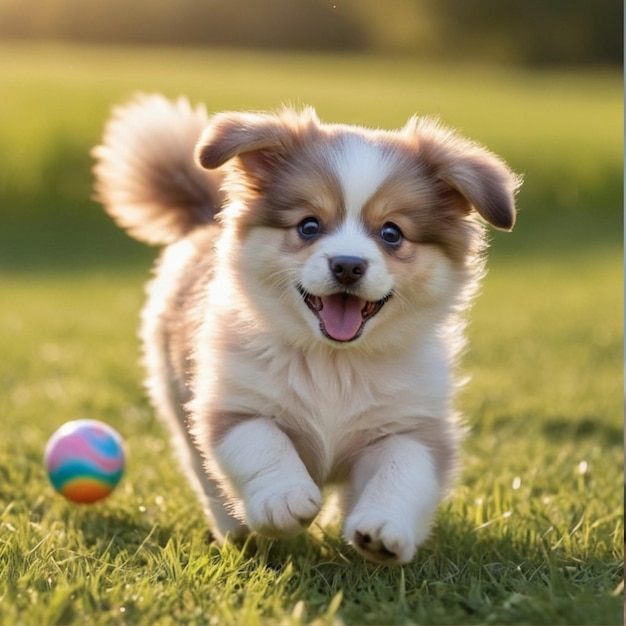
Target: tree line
(536, 32)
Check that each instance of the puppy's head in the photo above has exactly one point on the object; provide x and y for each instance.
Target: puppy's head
(352, 235)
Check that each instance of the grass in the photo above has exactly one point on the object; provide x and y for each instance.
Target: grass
(533, 532)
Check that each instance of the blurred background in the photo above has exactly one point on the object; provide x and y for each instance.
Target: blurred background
(535, 32)
(539, 82)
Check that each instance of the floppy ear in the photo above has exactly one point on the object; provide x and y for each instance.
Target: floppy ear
(258, 139)
(476, 173)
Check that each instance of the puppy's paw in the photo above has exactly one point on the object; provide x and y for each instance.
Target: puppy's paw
(380, 538)
(283, 510)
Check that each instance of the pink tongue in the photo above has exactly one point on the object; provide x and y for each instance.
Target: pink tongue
(341, 315)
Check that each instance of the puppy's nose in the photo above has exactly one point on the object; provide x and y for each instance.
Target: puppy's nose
(347, 269)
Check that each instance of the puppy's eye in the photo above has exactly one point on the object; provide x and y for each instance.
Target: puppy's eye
(308, 228)
(391, 234)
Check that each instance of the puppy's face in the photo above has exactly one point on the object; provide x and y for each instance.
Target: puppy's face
(355, 233)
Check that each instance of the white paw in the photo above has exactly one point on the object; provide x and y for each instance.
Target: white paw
(380, 538)
(283, 510)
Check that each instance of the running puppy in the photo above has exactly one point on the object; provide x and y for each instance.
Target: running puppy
(308, 309)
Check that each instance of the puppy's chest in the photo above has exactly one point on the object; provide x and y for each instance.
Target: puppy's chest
(332, 409)
(323, 391)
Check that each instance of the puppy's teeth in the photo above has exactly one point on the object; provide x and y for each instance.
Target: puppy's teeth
(368, 308)
(316, 303)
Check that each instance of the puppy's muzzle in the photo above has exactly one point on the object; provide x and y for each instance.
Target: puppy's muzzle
(343, 314)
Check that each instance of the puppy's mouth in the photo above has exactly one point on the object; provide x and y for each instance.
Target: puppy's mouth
(342, 316)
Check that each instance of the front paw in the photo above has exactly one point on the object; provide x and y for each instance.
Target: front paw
(379, 538)
(283, 510)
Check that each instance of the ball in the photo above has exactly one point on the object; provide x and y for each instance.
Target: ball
(85, 460)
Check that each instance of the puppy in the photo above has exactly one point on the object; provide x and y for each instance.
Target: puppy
(308, 310)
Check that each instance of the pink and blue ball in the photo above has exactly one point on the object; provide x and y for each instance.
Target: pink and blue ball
(85, 460)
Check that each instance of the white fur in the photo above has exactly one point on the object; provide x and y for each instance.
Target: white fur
(361, 168)
(394, 493)
(261, 467)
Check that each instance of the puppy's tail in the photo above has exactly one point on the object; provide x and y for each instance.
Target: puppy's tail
(146, 176)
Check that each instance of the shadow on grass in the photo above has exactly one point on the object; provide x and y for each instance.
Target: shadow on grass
(563, 429)
(559, 428)
(114, 533)
(90, 244)
(544, 234)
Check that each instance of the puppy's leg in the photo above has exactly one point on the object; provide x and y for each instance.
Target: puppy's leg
(224, 524)
(394, 490)
(213, 502)
(276, 494)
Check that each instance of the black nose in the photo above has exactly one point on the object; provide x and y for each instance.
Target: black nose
(347, 269)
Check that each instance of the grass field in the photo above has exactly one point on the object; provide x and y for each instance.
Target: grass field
(533, 532)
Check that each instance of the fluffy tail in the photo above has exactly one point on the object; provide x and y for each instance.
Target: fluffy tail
(146, 176)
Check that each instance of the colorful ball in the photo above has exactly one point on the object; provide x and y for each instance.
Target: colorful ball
(85, 460)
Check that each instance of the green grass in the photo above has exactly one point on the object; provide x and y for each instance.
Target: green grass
(532, 533)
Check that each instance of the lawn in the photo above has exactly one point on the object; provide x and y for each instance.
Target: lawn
(533, 531)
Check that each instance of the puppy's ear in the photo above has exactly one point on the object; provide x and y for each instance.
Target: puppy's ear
(476, 173)
(260, 140)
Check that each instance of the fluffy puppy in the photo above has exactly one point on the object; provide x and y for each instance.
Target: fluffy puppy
(307, 312)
